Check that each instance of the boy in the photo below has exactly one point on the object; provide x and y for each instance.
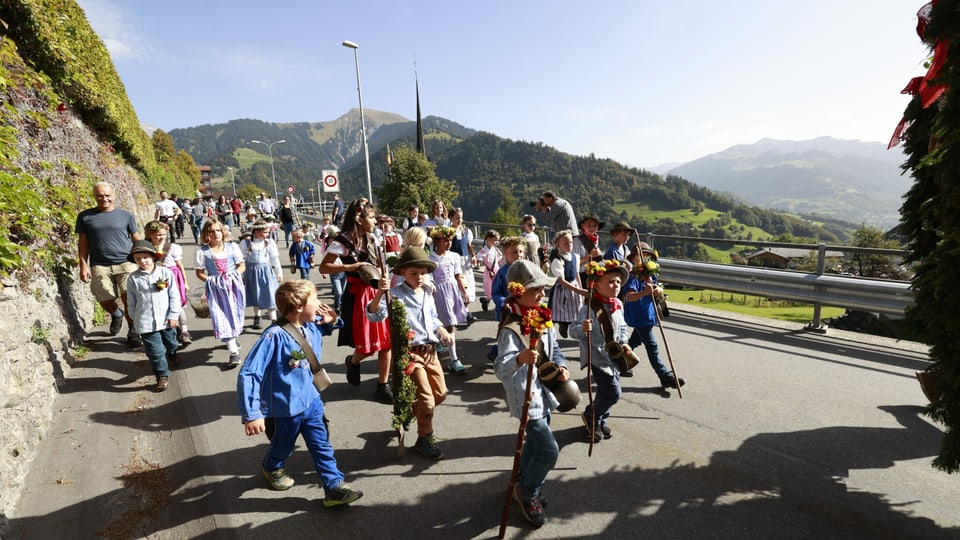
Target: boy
(620, 234)
(511, 246)
(587, 244)
(154, 304)
(301, 254)
(639, 313)
(540, 451)
(427, 374)
(276, 383)
(603, 312)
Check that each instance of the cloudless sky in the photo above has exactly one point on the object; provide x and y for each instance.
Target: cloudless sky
(643, 82)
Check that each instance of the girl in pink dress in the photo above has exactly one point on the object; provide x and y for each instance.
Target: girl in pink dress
(450, 293)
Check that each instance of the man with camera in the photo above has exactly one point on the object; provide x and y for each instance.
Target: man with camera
(557, 212)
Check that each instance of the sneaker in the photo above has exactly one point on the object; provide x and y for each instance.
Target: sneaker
(669, 382)
(116, 323)
(471, 319)
(605, 429)
(428, 447)
(491, 357)
(543, 500)
(342, 494)
(383, 393)
(234, 360)
(456, 367)
(133, 340)
(353, 371)
(162, 383)
(594, 432)
(279, 480)
(484, 304)
(627, 373)
(256, 323)
(532, 509)
(186, 338)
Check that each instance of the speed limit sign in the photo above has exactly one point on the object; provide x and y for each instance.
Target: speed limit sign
(330, 181)
(290, 189)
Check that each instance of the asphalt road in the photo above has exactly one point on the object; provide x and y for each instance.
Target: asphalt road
(780, 433)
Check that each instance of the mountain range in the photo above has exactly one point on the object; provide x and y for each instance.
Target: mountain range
(823, 179)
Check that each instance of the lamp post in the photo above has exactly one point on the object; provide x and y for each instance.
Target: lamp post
(233, 181)
(363, 125)
(273, 172)
(313, 200)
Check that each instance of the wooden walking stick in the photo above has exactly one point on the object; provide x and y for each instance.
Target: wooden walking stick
(663, 335)
(593, 413)
(536, 325)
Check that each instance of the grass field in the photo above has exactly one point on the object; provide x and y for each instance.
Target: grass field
(750, 305)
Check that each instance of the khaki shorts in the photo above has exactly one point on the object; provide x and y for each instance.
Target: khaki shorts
(109, 282)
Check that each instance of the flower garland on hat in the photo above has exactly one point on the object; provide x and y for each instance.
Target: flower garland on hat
(647, 268)
(441, 231)
(516, 289)
(596, 269)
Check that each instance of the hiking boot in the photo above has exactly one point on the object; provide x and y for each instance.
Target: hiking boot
(162, 383)
(342, 494)
(279, 480)
(133, 340)
(256, 323)
(607, 432)
(384, 394)
(234, 360)
(353, 371)
(186, 338)
(456, 367)
(532, 509)
(116, 323)
(173, 360)
(485, 304)
(591, 431)
(428, 447)
(627, 373)
(669, 382)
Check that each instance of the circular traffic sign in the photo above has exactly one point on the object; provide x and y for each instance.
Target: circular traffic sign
(289, 189)
(330, 180)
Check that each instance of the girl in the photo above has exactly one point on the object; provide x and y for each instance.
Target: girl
(356, 246)
(462, 244)
(259, 254)
(566, 297)
(490, 256)
(451, 293)
(170, 255)
(219, 264)
(438, 213)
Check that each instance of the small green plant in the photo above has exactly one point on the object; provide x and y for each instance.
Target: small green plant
(39, 334)
(100, 316)
(80, 351)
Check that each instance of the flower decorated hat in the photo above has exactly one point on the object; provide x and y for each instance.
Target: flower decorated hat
(259, 225)
(524, 275)
(414, 256)
(596, 270)
(141, 246)
(442, 232)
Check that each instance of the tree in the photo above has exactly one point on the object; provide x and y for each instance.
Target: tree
(871, 265)
(412, 180)
(163, 146)
(508, 213)
(929, 221)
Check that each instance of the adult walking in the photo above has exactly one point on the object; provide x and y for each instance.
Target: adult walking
(337, 210)
(166, 211)
(288, 219)
(266, 205)
(556, 212)
(105, 236)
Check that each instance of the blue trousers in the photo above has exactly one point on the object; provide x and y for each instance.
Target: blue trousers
(645, 335)
(304, 272)
(608, 394)
(157, 345)
(540, 453)
(339, 283)
(311, 426)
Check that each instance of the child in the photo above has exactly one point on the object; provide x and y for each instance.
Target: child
(540, 451)
(154, 306)
(512, 250)
(462, 245)
(276, 382)
(338, 280)
(219, 264)
(354, 247)
(171, 256)
(603, 313)
(528, 226)
(566, 298)
(391, 240)
(491, 258)
(413, 266)
(301, 254)
(451, 291)
(247, 226)
(619, 234)
(261, 282)
(639, 312)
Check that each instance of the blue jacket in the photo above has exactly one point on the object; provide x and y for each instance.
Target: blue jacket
(514, 378)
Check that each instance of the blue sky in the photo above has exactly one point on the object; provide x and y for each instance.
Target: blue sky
(642, 82)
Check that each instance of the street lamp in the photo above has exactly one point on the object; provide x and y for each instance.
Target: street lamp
(233, 181)
(276, 194)
(313, 200)
(363, 125)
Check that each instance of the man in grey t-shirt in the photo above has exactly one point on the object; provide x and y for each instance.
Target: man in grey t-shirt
(105, 236)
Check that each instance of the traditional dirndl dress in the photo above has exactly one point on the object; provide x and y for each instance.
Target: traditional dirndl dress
(258, 278)
(358, 332)
(461, 246)
(173, 253)
(450, 307)
(564, 302)
(225, 293)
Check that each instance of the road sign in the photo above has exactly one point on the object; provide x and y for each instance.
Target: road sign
(330, 181)
(290, 189)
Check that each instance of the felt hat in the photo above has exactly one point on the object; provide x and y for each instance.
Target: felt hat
(621, 226)
(414, 256)
(595, 270)
(528, 274)
(590, 216)
(642, 246)
(141, 246)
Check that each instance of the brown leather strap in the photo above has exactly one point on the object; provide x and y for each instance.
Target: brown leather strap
(604, 318)
(304, 345)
